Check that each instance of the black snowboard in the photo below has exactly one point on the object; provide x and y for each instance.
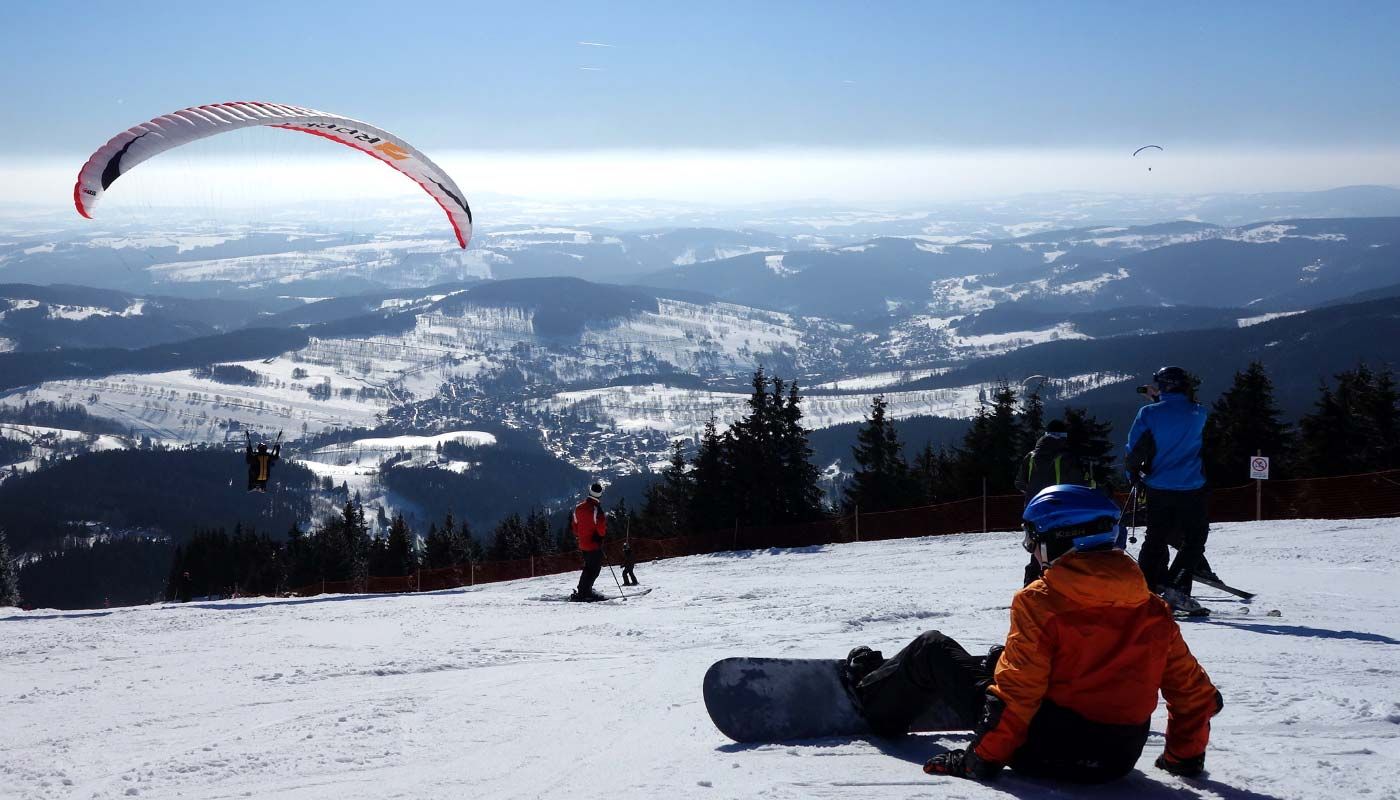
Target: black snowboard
(783, 699)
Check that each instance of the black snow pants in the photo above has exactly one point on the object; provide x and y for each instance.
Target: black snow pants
(1060, 744)
(1180, 519)
(592, 565)
(629, 578)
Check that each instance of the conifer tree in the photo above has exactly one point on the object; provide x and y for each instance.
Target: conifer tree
(9, 575)
(1352, 429)
(990, 450)
(665, 509)
(436, 548)
(1032, 421)
(711, 504)
(1091, 445)
(538, 539)
(934, 475)
(1244, 421)
(881, 480)
(400, 556)
(802, 494)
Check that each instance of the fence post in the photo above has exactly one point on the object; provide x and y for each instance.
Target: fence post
(532, 566)
(984, 503)
(418, 580)
(736, 533)
(472, 580)
(1258, 495)
(857, 523)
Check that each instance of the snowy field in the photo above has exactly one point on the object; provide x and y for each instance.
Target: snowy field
(489, 692)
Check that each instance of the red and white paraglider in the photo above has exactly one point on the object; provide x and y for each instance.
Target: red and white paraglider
(149, 139)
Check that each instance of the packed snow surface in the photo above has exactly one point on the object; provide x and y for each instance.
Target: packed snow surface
(490, 692)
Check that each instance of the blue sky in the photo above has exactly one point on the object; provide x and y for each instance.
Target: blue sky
(462, 76)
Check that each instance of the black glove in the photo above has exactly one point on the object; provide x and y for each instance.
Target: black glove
(1185, 767)
(961, 764)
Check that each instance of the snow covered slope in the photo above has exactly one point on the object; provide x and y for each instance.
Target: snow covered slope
(489, 692)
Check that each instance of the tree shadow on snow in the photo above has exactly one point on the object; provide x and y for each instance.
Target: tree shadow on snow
(770, 551)
(1298, 630)
(75, 615)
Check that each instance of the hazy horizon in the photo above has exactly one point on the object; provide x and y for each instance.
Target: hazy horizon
(903, 104)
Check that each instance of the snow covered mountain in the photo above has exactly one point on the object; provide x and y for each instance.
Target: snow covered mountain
(1272, 266)
(403, 695)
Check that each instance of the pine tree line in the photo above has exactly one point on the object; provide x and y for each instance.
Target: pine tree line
(1354, 428)
(1004, 430)
(344, 548)
(758, 472)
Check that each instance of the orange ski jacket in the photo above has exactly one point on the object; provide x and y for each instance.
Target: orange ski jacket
(1089, 637)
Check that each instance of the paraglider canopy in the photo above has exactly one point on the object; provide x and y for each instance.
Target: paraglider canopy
(1156, 147)
(149, 139)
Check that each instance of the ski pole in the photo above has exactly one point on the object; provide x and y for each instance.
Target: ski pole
(604, 550)
(1132, 526)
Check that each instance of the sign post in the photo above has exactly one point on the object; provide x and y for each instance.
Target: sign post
(1259, 472)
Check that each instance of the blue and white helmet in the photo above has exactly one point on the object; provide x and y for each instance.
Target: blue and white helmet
(1069, 517)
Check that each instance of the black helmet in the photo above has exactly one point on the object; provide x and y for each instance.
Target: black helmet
(262, 447)
(1172, 379)
(1057, 427)
(595, 491)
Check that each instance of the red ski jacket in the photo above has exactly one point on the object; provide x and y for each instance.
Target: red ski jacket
(590, 524)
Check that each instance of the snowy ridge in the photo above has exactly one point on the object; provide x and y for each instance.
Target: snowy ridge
(679, 411)
(400, 696)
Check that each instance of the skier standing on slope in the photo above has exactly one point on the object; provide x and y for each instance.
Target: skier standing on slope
(1071, 694)
(1050, 463)
(629, 578)
(590, 524)
(1164, 454)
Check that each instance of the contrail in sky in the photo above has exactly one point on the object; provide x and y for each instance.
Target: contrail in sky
(593, 44)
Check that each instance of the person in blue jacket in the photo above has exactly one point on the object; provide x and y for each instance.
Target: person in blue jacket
(1164, 455)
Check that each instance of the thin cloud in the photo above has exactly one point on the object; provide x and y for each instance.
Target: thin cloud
(594, 44)
(592, 69)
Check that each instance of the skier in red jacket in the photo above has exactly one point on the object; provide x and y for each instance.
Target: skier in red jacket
(590, 524)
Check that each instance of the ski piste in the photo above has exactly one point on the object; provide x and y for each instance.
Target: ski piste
(1215, 583)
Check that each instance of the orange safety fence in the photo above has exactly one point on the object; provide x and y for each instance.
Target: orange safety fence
(1375, 494)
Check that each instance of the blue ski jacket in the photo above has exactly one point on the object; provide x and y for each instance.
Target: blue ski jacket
(1175, 425)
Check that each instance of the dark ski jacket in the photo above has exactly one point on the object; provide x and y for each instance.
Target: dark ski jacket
(590, 524)
(1049, 464)
(260, 464)
(1174, 425)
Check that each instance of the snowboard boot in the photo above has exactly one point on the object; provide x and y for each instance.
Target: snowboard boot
(989, 664)
(860, 662)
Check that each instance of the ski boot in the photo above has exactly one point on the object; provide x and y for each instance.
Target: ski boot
(1183, 603)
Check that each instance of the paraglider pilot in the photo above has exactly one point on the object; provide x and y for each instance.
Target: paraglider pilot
(260, 463)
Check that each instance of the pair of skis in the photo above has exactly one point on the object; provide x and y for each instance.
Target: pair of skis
(1206, 580)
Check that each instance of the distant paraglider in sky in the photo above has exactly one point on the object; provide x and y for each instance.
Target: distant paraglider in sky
(1156, 147)
(149, 139)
